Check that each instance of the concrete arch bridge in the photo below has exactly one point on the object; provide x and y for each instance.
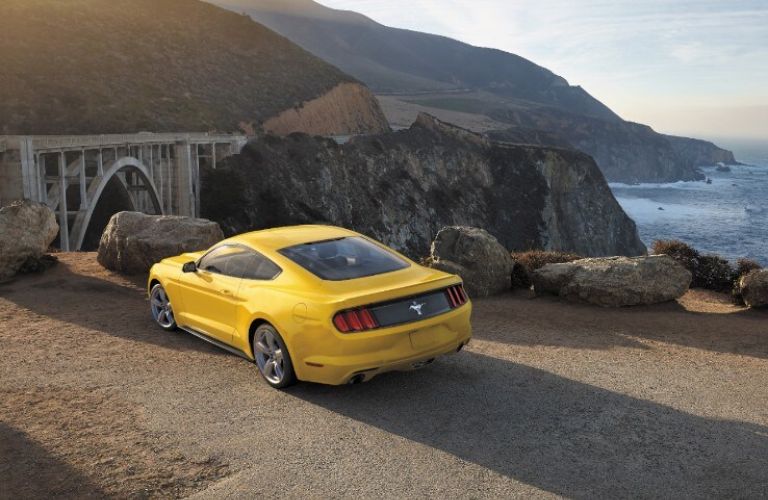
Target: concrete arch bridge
(86, 179)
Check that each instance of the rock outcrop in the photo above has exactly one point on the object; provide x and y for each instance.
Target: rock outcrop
(27, 229)
(700, 153)
(347, 109)
(754, 288)
(625, 151)
(133, 242)
(615, 281)
(403, 187)
(472, 253)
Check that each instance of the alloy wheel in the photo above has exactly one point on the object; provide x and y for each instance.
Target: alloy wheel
(269, 357)
(162, 310)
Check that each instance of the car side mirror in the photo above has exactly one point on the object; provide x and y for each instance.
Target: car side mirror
(189, 267)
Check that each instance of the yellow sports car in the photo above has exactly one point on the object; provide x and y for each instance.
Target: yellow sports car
(313, 303)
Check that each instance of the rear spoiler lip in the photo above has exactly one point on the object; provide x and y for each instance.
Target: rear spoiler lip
(379, 298)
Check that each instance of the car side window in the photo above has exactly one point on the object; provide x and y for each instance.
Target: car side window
(261, 268)
(239, 262)
(226, 259)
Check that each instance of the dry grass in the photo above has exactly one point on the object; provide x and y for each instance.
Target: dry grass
(147, 65)
(527, 262)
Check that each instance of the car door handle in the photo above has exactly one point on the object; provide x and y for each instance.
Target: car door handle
(225, 292)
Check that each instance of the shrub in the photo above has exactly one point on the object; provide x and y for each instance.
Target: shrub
(527, 262)
(743, 268)
(681, 252)
(713, 273)
(709, 271)
(38, 264)
(746, 266)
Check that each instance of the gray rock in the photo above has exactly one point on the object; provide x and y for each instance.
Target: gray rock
(132, 242)
(472, 253)
(27, 229)
(754, 288)
(615, 281)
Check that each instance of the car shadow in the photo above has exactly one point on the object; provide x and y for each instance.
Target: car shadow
(117, 308)
(560, 435)
(550, 321)
(27, 470)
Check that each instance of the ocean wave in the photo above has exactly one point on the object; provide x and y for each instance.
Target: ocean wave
(687, 185)
(646, 209)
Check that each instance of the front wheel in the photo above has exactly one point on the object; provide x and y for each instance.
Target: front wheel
(272, 357)
(162, 310)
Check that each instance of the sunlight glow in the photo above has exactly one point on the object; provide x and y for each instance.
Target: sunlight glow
(695, 67)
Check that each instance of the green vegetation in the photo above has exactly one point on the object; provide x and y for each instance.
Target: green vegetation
(681, 252)
(36, 265)
(710, 272)
(527, 262)
(714, 273)
(746, 266)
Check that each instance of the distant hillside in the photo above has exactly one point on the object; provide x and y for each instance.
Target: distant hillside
(435, 74)
(101, 66)
(401, 61)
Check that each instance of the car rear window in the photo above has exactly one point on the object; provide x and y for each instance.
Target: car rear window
(344, 258)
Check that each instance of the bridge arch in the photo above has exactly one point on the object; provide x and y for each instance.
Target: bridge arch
(100, 184)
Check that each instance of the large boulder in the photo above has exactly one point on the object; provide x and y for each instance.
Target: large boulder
(754, 288)
(132, 242)
(27, 229)
(475, 255)
(615, 281)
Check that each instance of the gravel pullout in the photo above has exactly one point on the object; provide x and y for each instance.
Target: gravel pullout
(550, 399)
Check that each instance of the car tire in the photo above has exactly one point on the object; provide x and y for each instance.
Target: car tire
(162, 309)
(272, 358)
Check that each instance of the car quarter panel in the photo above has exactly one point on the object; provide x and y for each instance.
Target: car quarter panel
(264, 301)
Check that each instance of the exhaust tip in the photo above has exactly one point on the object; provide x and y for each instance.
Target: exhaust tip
(357, 379)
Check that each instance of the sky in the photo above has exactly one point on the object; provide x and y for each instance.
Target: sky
(696, 68)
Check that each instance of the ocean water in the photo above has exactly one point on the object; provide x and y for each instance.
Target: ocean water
(728, 217)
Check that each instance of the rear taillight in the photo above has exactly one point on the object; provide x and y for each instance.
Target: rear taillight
(456, 296)
(355, 320)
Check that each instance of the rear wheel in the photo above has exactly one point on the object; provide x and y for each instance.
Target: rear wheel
(162, 310)
(272, 357)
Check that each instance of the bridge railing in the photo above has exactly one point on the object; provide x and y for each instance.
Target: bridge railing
(72, 142)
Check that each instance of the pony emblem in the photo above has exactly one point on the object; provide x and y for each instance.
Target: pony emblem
(417, 307)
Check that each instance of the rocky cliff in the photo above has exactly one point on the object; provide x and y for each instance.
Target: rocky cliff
(624, 151)
(700, 153)
(631, 152)
(435, 72)
(348, 108)
(403, 187)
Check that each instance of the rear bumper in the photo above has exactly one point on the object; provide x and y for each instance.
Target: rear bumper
(370, 354)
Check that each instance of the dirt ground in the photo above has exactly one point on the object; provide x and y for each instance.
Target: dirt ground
(550, 399)
(402, 114)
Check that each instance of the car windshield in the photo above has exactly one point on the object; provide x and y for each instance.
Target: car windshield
(344, 258)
